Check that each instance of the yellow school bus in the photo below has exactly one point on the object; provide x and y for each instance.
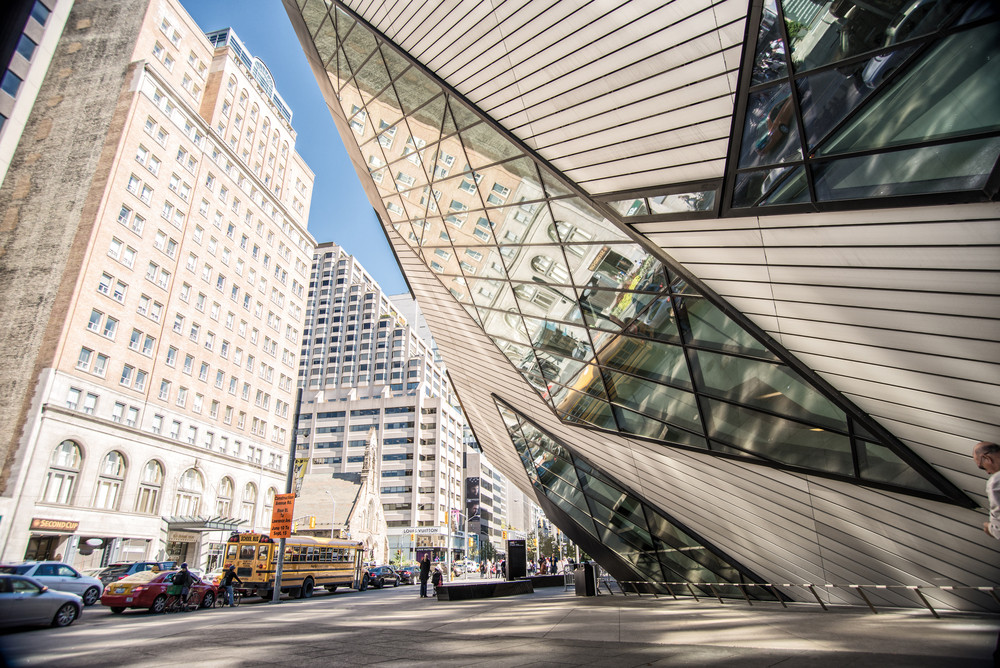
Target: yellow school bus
(309, 563)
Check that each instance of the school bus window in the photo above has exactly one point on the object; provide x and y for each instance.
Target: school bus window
(246, 551)
(231, 551)
(262, 552)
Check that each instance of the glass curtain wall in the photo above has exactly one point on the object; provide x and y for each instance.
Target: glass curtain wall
(660, 551)
(883, 98)
(611, 337)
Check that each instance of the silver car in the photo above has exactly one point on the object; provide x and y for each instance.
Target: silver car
(25, 601)
(61, 577)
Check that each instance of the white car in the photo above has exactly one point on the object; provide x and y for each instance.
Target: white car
(59, 577)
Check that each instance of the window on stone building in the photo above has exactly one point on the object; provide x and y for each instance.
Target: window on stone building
(64, 467)
(189, 490)
(109, 482)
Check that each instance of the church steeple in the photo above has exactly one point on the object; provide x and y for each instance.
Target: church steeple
(370, 468)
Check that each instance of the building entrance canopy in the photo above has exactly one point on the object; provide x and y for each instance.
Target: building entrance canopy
(201, 524)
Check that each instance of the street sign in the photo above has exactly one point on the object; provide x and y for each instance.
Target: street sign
(281, 515)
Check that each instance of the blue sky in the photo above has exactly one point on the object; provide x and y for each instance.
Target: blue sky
(340, 210)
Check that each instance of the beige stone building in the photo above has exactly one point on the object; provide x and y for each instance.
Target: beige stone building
(155, 242)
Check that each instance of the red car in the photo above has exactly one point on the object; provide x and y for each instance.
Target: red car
(148, 589)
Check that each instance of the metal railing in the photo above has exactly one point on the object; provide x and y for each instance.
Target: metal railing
(686, 588)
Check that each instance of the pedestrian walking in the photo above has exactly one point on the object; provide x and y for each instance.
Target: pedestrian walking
(987, 458)
(425, 573)
(227, 583)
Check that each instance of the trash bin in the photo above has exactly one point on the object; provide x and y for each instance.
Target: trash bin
(585, 578)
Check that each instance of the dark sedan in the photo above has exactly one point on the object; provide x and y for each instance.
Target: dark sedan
(380, 576)
(409, 574)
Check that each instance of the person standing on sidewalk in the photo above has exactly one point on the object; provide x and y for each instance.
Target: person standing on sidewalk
(425, 574)
(987, 457)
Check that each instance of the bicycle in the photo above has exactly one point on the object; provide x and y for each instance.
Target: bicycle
(175, 604)
(220, 599)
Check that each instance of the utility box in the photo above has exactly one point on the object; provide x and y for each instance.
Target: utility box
(585, 578)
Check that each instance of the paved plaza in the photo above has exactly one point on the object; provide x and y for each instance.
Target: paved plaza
(549, 627)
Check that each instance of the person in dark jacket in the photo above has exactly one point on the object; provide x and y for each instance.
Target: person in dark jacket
(227, 583)
(182, 579)
(425, 574)
(438, 578)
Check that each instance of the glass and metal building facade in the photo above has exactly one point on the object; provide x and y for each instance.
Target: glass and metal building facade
(528, 208)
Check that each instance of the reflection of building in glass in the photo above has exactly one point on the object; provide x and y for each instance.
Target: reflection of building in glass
(656, 549)
(660, 368)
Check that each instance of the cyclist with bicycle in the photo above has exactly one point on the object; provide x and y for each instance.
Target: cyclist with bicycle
(182, 579)
(227, 583)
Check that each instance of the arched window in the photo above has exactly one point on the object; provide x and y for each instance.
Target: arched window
(563, 232)
(543, 296)
(249, 502)
(269, 503)
(243, 99)
(148, 500)
(253, 112)
(64, 467)
(231, 86)
(109, 481)
(189, 490)
(224, 502)
(546, 266)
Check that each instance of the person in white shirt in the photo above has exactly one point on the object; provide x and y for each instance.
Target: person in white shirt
(987, 457)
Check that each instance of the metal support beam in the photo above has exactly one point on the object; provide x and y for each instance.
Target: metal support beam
(818, 599)
(926, 602)
(861, 591)
(691, 589)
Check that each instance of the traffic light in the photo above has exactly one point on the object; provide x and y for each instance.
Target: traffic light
(472, 542)
(312, 521)
(505, 535)
(295, 527)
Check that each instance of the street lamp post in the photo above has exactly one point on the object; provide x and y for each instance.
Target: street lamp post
(451, 542)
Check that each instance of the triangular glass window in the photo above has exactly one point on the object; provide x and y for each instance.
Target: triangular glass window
(646, 545)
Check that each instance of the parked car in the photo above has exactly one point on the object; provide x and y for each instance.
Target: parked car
(380, 576)
(26, 601)
(148, 589)
(120, 570)
(214, 576)
(60, 577)
(408, 574)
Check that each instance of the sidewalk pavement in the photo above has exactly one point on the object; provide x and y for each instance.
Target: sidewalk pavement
(548, 628)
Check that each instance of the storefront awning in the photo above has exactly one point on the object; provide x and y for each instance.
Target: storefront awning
(200, 523)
